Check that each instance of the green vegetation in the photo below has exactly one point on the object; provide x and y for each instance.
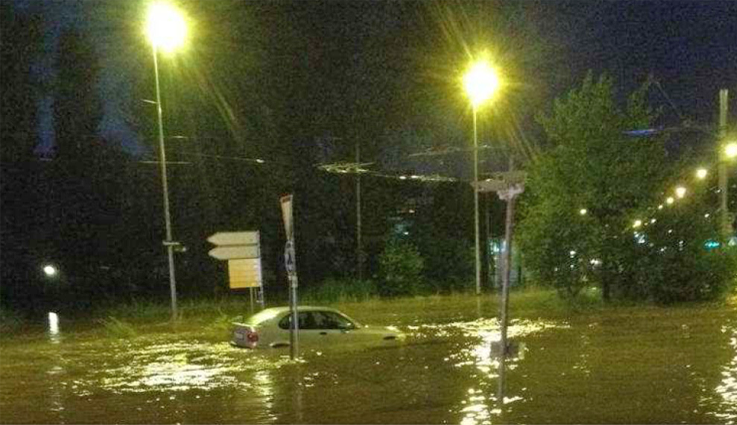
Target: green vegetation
(401, 269)
(593, 166)
(334, 290)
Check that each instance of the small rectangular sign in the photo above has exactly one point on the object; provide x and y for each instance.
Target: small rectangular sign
(235, 252)
(245, 273)
(234, 238)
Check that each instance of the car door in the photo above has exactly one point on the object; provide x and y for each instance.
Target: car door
(336, 327)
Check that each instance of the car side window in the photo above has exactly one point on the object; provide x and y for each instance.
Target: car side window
(332, 320)
(306, 321)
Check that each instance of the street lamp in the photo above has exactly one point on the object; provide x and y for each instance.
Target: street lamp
(50, 270)
(480, 83)
(166, 30)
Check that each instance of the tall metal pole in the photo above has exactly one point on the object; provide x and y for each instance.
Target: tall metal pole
(504, 310)
(476, 201)
(726, 225)
(167, 217)
(359, 247)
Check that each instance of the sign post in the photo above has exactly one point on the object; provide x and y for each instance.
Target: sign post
(242, 250)
(290, 265)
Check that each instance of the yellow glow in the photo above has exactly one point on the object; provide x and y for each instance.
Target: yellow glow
(701, 173)
(637, 224)
(480, 83)
(670, 200)
(730, 150)
(583, 211)
(165, 27)
(680, 191)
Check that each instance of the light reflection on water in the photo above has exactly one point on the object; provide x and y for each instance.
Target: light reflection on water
(613, 367)
(727, 388)
(185, 366)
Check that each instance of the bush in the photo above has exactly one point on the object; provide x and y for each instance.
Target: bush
(118, 328)
(400, 268)
(334, 290)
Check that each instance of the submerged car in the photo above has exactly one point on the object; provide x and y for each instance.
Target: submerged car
(317, 326)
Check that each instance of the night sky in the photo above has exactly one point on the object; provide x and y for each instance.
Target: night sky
(332, 49)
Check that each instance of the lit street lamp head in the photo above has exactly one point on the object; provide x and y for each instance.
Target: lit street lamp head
(730, 150)
(165, 27)
(480, 83)
(50, 270)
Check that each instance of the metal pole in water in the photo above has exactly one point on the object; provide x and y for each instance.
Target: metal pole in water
(294, 334)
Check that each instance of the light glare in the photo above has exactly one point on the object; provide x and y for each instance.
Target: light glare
(730, 150)
(165, 27)
(480, 83)
(50, 270)
(680, 191)
(701, 173)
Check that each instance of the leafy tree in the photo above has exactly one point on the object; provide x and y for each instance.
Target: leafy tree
(401, 269)
(592, 165)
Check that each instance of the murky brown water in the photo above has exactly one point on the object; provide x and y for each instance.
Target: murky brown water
(627, 365)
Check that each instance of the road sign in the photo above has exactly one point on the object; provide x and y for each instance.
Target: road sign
(286, 211)
(233, 252)
(289, 258)
(234, 238)
(245, 273)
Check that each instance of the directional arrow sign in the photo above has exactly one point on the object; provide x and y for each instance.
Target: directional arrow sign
(235, 252)
(234, 238)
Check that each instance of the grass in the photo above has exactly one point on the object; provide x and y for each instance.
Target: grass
(117, 328)
(333, 290)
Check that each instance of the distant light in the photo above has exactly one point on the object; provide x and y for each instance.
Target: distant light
(652, 220)
(730, 150)
(670, 200)
(637, 224)
(260, 161)
(402, 177)
(50, 270)
(701, 173)
(680, 191)
(411, 211)
(415, 176)
(165, 27)
(583, 211)
(406, 233)
(573, 253)
(660, 207)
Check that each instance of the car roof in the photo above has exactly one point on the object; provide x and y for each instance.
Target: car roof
(273, 312)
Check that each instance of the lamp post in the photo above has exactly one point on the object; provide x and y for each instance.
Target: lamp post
(166, 31)
(480, 83)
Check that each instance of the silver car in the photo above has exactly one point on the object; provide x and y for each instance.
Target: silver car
(318, 326)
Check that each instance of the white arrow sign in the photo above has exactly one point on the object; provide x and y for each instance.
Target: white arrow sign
(234, 238)
(235, 252)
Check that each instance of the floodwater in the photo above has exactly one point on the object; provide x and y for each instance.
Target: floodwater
(623, 365)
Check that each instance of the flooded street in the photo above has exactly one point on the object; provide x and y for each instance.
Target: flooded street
(633, 365)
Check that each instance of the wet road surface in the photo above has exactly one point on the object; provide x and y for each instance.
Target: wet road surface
(624, 365)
